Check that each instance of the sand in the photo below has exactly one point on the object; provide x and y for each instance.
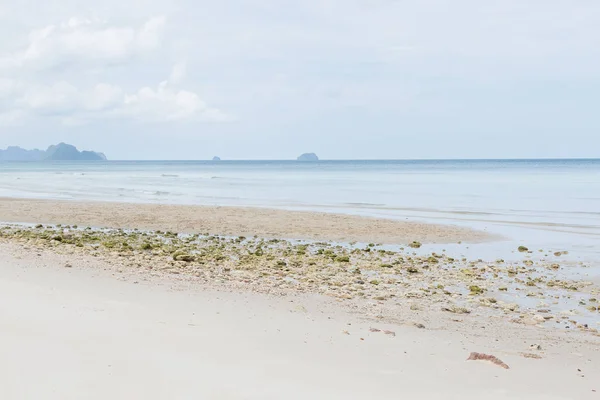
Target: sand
(90, 331)
(103, 324)
(235, 221)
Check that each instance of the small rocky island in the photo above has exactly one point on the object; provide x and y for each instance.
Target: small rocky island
(216, 158)
(308, 157)
(59, 152)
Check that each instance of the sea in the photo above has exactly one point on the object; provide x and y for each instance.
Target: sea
(550, 204)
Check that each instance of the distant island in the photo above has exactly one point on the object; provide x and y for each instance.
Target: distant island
(308, 157)
(59, 152)
(215, 158)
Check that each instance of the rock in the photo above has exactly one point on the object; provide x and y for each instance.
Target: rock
(182, 256)
(474, 289)
(523, 249)
(419, 325)
(67, 152)
(510, 307)
(308, 157)
(215, 158)
(488, 301)
(456, 310)
(67, 265)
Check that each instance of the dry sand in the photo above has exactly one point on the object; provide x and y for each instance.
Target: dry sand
(90, 331)
(234, 221)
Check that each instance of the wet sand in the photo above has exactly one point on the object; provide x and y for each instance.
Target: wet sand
(94, 331)
(235, 221)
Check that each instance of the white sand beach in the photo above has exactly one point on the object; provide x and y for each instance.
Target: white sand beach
(77, 328)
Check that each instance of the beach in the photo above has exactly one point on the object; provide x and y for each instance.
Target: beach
(96, 331)
(122, 297)
(233, 221)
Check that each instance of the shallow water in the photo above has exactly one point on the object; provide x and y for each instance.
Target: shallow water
(543, 204)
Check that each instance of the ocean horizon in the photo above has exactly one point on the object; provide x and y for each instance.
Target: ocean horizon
(321, 160)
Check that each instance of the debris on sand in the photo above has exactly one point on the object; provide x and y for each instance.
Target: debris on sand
(531, 355)
(386, 332)
(487, 357)
(456, 310)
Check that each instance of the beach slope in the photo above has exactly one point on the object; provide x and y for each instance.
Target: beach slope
(86, 330)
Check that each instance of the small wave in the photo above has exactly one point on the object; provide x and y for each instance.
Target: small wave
(161, 193)
(170, 176)
(365, 204)
(230, 178)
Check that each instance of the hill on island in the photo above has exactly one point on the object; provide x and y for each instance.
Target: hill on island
(58, 152)
(308, 157)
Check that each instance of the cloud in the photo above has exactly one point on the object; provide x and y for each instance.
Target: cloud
(62, 98)
(178, 73)
(81, 95)
(166, 103)
(80, 39)
(72, 105)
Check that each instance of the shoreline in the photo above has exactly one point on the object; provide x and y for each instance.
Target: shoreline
(531, 288)
(236, 221)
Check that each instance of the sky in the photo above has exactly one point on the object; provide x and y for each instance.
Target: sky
(271, 79)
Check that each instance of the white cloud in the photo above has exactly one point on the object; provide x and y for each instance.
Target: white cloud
(73, 105)
(178, 73)
(81, 95)
(10, 117)
(167, 103)
(59, 98)
(81, 39)
(8, 87)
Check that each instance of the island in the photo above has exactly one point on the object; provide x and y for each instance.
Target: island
(59, 152)
(308, 157)
(15, 153)
(68, 152)
(215, 158)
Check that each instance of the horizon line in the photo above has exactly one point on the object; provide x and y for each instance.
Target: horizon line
(327, 160)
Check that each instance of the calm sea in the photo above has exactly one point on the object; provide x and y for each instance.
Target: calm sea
(539, 202)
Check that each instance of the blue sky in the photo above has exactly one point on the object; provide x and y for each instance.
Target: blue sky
(185, 79)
